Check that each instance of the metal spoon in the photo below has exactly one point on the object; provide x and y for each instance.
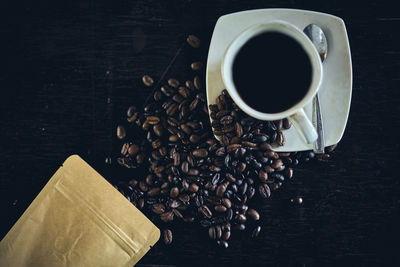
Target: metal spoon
(318, 38)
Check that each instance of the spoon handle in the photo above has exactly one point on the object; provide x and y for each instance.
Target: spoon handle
(319, 144)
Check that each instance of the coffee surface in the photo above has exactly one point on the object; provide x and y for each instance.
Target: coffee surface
(272, 72)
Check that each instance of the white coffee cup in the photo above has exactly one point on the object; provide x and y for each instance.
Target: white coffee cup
(296, 112)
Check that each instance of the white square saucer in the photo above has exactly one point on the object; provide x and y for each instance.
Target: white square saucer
(336, 87)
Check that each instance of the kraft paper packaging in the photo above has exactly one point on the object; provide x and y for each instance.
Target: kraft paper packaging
(78, 219)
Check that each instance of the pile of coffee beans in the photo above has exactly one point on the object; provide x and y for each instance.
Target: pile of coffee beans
(192, 176)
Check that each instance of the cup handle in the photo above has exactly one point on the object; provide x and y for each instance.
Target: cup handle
(304, 126)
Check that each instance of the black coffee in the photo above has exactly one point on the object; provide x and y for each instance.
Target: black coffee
(272, 72)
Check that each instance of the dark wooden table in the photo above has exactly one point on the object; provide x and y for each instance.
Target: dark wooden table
(68, 72)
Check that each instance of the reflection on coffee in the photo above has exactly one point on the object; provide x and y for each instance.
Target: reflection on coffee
(272, 72)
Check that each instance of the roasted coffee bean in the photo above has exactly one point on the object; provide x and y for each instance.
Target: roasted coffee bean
(241, 218)
(156, 143)
(189, 85)
(297, 200)
(229, 214)
(260, 138)
(225, 120)
(193, 41)
(143, 186)
(173, 138)
(186, 129)
(173, 82)
(157, 96)
(280, 140)
(152, 120)
(121, 133)
(167, 216)
(270, 154)
(174, 204)
(277, 163)
(205, 223)
(218, 231)
(269, 169)
(140, 158)
(212, 232)
(222, 113)
(279, 124)
(200, 153)
(174, 192)
(197, 83)
(177, 98)
(184, 198)
(194, 138)
(238, 129)
(289, 173)
(226, 235)
(190, 160)
(140, 203)
(172, 109)
(158, 130)
(193, 172)
(323, 157)
(221, 102)
(177, 213)
(196, 65)
(154, 191)
(188, 219)
(193, 104)
(185, 185)
(220, 152)
(232, 147)
(243, 188)
(167, 236)
(286, 124)
(274, 137)
(277, 176)
(240, 227)
(280, 168)
(253, 214)
(158, 208)
(265, 146)
(147, 80)
(256, 231)
(149, 179)
(249, 144)
(226, 227)
(205, 211)
(133, 117)
(183, 91)
(251, 192)
(227, 203)
(159, 169)
(124, 149)
(284, 154)
(193, 188)
(230, 177)
(177, 159)
(131, 111)
(234, 188)
(220, 208)
(221, 190)
(264, 191)
(166, 90)
(223, 243)
(263, 176)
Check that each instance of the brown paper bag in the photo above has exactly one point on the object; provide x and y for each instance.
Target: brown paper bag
(78, 219)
